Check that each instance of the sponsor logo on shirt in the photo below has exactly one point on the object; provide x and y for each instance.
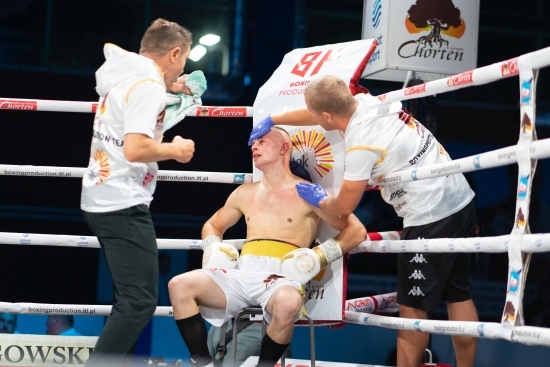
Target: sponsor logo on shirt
(103, 105)
(397, 194)
(148, 178)
(422, 151)
(107, 138)
(399, 206)
(101, 168)
(160, 121)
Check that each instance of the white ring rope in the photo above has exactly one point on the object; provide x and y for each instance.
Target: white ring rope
(382, 303)
(67, 309)
(530, 243)
(17, 104)
(484, 75)
(491, 159)
(163, 175)
(495, 158)
(12, 238)
(529, 335)
(539, 242)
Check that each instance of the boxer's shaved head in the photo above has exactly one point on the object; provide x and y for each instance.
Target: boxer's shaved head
(281, 134)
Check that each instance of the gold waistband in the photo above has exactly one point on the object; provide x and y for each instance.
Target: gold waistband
(272, 248)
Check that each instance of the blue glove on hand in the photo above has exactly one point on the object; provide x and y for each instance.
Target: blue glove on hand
(262, 128)
(312, 193)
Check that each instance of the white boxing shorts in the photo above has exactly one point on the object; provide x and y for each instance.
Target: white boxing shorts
(258, 275)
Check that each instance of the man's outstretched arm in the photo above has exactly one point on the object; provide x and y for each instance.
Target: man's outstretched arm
(299, 117)
(344, 203)
(352, 231)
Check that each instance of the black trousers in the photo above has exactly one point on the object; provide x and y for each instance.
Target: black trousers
(128, 240)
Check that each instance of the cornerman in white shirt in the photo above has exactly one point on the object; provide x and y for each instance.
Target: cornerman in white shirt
(382, 139)
(118, 185)
(275, 261)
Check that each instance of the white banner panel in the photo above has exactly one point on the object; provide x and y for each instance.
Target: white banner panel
(318, 151)
(426, 36)
(45, 350)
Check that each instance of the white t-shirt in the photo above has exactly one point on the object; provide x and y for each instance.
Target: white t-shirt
(378, 142)
(133, 96)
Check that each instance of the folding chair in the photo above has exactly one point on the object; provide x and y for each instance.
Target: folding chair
(256, 311)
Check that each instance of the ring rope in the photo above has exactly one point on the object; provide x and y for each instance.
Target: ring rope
(491, 159)
(530, 335)
(495, 158)
(13, 238)
(68, 309)
(17, 104)
(383, 303)
(483, 75)
(538, 242)
(163, 175)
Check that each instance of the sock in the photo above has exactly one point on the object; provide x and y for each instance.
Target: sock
(270, 352)
(194, 334)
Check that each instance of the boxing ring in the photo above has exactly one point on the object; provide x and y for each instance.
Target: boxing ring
(368, 310)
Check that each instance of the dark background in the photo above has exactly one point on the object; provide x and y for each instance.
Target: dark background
(49, 49)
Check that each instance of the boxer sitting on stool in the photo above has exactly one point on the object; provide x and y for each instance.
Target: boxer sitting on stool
(274, 264)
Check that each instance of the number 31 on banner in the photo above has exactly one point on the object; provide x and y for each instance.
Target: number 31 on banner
(310, 59)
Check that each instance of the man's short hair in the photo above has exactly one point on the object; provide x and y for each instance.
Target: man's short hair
(330, 94)
(162, 36)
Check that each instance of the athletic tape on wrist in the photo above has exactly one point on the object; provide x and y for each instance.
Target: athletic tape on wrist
(208, 240)
(331, 250)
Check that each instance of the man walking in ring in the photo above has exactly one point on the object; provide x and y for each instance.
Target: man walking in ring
(120, 180)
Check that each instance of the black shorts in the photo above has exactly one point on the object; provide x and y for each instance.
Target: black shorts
(427, 278)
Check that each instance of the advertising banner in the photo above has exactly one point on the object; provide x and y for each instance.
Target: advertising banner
(319, 151)
(45, 350)
(428, 36)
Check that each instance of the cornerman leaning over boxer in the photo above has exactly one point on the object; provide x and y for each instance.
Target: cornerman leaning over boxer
(274, 263)
(380, 139)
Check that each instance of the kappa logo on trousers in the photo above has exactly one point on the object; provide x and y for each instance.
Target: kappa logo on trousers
(417, 274)
(419, 259)
(415, 291)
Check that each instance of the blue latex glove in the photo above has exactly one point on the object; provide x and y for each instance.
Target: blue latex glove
(262, 128)
(312, 193)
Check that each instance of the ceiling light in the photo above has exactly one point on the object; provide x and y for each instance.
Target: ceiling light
(197, 53)
(209, 39)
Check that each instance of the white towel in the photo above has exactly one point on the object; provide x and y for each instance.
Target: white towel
(178, 105)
